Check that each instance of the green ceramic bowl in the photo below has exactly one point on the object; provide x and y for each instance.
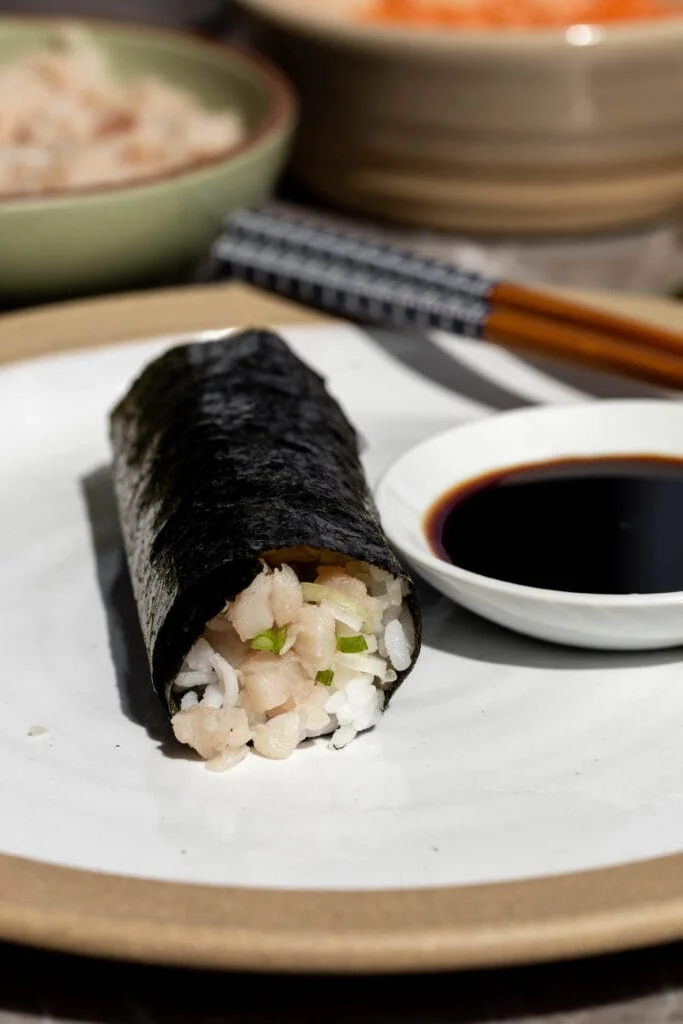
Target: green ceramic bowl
(99, 239)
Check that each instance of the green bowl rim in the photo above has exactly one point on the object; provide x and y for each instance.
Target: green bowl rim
(279, 120)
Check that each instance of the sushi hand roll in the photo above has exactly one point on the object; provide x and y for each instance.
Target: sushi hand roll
(271, 605)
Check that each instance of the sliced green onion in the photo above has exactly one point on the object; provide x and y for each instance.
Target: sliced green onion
(313, 592)
(352, 644)
(316, 592)
(325, 677)
(272, 640)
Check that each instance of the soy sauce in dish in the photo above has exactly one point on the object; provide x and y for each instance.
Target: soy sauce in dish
(610, 525)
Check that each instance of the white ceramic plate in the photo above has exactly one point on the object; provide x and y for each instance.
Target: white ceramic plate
(501, 758)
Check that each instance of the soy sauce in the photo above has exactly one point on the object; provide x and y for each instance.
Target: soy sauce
(596, 526)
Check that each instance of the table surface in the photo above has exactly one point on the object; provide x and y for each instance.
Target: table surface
(633, 988)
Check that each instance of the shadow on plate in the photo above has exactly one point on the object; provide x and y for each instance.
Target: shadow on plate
(416, 352)
(594, 383)
(450, 628)
(139, 702)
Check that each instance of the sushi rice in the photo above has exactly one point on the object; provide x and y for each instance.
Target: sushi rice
(302, 652)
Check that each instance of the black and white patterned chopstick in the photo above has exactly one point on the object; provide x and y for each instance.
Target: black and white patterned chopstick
(269, 224)
(343, 287)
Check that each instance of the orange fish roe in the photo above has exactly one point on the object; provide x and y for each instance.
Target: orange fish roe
(514, 13)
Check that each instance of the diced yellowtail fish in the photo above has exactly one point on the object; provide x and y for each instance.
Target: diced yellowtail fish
(292, 658)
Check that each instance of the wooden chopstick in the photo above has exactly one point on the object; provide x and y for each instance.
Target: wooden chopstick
(505, 294)
(576, 343)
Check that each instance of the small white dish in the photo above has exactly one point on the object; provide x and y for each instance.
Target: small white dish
(423, 474)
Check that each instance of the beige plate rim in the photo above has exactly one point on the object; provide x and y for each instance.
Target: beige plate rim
(255, 929)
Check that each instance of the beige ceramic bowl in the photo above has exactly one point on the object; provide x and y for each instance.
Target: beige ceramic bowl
(485, 131)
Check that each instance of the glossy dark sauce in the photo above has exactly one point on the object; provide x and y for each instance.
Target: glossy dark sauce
(596, 526)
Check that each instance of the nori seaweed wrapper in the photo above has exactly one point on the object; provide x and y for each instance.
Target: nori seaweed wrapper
(224, 451)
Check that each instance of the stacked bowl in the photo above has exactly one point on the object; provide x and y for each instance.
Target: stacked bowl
(524, 131)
